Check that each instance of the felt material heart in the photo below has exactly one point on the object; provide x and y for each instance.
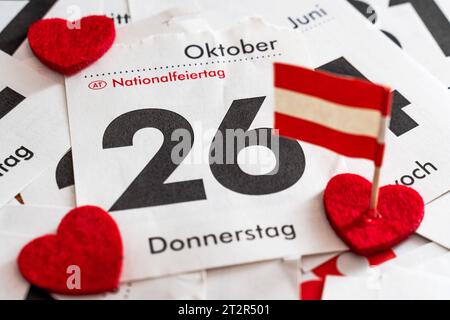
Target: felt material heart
(347, 201)
(67, 47)
(84, 257)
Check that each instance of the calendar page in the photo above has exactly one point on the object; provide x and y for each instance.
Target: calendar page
(177, 142)
(33, 125)
(420, 28)
(342, 41)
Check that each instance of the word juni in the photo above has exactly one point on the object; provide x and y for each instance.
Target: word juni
(317, 14)
(14, 159)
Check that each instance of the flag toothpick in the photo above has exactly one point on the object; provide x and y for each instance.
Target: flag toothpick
(348, 116)
(373, 211)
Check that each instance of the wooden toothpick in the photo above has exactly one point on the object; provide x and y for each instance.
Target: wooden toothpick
(373, 211)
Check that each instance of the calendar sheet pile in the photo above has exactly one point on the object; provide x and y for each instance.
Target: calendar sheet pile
(171, 132)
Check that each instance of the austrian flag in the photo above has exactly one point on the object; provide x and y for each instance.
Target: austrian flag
(346, 115)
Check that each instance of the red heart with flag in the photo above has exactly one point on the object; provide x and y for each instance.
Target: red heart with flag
(67, 47)
(84, 257)
(347, 201)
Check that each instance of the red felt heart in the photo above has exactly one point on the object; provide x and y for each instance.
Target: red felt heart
(347, 201)
(68, 47)
(87, 239)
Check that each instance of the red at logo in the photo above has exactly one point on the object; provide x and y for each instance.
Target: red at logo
(97, 84)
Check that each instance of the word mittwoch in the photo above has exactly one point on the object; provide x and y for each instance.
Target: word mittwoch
(421, 172)
(195, 51)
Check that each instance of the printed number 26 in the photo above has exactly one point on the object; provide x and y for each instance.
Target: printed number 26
(149, 187)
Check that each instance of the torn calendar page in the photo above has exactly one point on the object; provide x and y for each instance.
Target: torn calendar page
(308, 263)
(15, 201)
(196, 89)
(438, 266)
(437, 221)
(54, 187)
(420, 28)
(23, 223)
(156, 240)
(153, 7)
(12, 285)
(186, 286)
(341, 41)
(174, 20)
(349, 264)
(352, 288)
(395, 284)
(416, 257)
(17, 16)
(9, 9)
(268, 280)
(276, 279)
(380, 282)
(33, 126)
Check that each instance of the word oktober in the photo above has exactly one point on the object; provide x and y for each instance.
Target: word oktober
(196, 51)
(14, 159)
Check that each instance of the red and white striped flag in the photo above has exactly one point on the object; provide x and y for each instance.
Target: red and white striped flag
(346, 115)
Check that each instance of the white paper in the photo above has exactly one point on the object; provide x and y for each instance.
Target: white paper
(15, 18)
(174, 20)
(416, 257)
(389, 280)
(411, 275)
(349, 288)
(187, 286)
(55, 187)
(12, 285)
(312, 261)
(269, 280)
(421, 30)
(438, 266)
(436, 221)
(8, 10)
(33, 126)
(23, 223)
(396, 284)
(142, 10)
(277, 279)
(335, 30)
(423, 33)
(14, 202)
(408, 253)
